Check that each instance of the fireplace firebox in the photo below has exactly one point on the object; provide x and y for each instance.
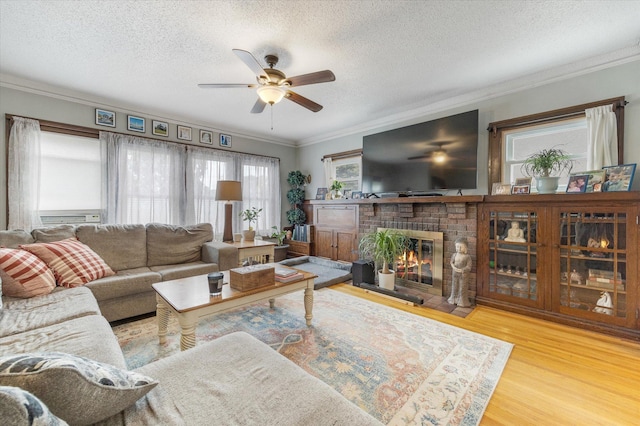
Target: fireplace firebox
(420, 267)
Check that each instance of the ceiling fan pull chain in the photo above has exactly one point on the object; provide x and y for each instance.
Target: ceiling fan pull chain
(271, 116)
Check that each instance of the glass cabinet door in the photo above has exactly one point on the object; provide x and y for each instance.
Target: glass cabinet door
(593, 265)
(513, 257)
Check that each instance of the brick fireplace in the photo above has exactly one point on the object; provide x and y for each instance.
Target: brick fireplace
(452, 219)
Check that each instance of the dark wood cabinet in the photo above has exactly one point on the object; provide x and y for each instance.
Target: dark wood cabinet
(336, 235)
(575, 262)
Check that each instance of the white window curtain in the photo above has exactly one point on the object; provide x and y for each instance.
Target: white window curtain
(260, 178)
(328, 170)
(24, 174)
(602, 133)
(205, 167)
(145, 180)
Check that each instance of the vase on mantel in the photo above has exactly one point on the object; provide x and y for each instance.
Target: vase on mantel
(336, 195)
(547, 184)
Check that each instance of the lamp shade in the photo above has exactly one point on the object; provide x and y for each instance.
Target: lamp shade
(229, 190)
(271, 94)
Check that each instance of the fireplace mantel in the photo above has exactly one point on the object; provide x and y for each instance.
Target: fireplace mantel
(405, 200)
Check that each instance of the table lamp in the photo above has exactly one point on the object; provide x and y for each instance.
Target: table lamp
(228, 190)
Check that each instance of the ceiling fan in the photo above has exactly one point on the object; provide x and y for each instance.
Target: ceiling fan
(273, 85)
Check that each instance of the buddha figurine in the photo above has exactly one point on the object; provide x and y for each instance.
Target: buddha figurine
(515, 234)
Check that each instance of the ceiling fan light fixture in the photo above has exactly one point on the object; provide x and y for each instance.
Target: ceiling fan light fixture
(271, 94)
(439, 156)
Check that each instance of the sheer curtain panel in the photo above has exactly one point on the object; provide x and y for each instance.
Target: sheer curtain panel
(145, 180)
(602, 132)
(261, 189)
(24, 174)
(205, 167)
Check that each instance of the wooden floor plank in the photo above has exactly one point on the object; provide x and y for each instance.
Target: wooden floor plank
(556, 374)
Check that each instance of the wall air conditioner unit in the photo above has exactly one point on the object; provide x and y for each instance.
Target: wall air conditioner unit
(69, 219)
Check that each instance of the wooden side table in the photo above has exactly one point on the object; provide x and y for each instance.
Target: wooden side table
(259, 250)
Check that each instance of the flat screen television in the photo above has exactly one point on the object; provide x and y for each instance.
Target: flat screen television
(406, 160)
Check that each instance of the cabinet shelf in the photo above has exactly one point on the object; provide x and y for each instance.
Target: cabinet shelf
(592, 287)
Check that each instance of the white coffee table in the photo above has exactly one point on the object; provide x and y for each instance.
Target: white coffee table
(189, 300)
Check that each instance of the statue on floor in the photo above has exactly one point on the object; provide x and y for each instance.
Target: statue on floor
(515, 233)
(461, 267)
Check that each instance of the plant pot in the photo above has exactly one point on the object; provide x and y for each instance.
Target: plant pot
(336, 195)
(248, 235)
(387, 281)
(547, 185)
(280, 252)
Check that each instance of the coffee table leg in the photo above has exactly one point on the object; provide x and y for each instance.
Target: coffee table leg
(272, 303)
(162, 312)
(188, 334)
(308, 305)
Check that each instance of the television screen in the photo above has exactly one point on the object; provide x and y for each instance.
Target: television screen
(427, 157)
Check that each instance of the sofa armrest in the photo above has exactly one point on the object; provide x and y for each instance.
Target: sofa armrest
(225, 255)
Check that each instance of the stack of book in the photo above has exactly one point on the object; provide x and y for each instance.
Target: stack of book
(285, 275)
(605, 279)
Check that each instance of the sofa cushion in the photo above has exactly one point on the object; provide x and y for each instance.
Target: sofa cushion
(124, 283)
(121, 246)
(22, 315)
(14, 238)
(174, 272)
(91, 391)
(72, 262)
(19, 407)
(248, 390)
(24, 274)
(53, 233)
(89, 336)
(168, 244)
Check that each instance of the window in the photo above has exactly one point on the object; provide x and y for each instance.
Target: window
(569, 135)
(348, 171)
(70, 173)
(511, 141)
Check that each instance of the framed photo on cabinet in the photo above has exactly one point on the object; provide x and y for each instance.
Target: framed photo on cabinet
(618, 178)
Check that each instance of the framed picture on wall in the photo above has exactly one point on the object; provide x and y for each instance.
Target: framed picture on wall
(184, 133)
(160, 128)
(105, 118)
(618, 178)
(206, 137)
(135, 124)
(225, 140)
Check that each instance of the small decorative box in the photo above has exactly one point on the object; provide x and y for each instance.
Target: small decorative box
(250, 277)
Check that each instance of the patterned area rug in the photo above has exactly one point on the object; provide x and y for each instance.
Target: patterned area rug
(401, 368)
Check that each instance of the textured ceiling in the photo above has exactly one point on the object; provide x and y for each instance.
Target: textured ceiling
(391, 59)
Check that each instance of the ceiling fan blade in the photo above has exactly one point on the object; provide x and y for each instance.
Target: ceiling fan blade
(252, 63)
(312, 78)
(419, 157)
(258, 107)
(301, 100)
(225, 86)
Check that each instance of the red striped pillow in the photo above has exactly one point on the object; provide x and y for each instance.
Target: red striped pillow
(72, 262)
(24, 274)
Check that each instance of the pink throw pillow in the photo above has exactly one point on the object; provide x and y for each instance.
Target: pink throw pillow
(72, 262)
(24, 274)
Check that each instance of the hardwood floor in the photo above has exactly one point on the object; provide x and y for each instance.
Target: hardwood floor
(556, 375)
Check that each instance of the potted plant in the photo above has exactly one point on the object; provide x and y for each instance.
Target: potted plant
(336, 187)
(543, 164)
(280, 250)
(295, 196)
(250, 215)
(383, 247)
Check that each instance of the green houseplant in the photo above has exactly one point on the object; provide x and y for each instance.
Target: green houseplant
(545, 163)
(336, 187)
(250, 215)
(280, 250)
(295, 196)
(383, 247)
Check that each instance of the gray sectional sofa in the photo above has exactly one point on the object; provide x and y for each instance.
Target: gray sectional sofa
(141, 255)
(233, 380)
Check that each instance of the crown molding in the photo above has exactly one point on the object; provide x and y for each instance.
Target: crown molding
(41, 89)
(447, 102)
